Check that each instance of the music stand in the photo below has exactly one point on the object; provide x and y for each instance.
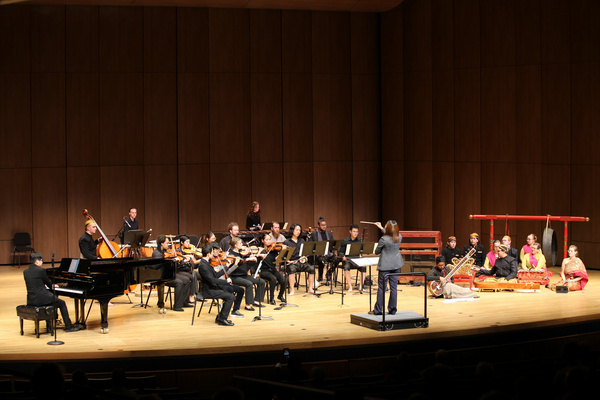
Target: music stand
(259, 317)
(282, 258)
(333, 245)
(137, 239)
(367, 262)
(358, 250)
(308, 249)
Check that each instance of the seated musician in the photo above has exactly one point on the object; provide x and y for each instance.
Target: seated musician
(492, 256)
(450, 290)
(207, 238)
(276, 233)
(268, 269)
(298, 264)
(239, 274)
(87, 244)
(346, 263)
(535, 261)
(234, 231)
(572, 272)
(182, 284)
(526, 250)
(253, 217)
(38, 293)
(190, 259)
(451, 251)
(506, 266)
(506, 240)
(322, 234)
(213, 287)
(479, 255)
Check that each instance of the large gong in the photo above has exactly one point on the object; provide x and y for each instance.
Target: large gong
(549, 246)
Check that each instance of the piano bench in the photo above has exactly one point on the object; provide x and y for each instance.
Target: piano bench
(35, 313)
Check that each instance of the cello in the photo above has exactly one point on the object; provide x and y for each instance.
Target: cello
(106, 248)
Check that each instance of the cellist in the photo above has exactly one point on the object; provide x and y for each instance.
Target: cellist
(87, 244)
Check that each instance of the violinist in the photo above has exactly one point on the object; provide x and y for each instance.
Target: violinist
(234, 231)
(182, 286)
(87, 244)
(253, 217)
(213, 287)
(268, 270)
(239, 274)
(188, 261)
(207, 238)
(297, 264)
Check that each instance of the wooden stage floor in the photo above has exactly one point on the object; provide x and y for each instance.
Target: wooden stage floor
(316, 324)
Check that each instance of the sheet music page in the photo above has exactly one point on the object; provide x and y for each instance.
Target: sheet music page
(73, 265)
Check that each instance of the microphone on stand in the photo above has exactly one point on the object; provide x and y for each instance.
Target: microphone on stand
(127, 222)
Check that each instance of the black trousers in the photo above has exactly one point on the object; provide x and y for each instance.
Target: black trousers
(273, 276)
(64, 312)
(248, 282)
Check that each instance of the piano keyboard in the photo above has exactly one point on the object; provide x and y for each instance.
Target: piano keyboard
(68, 290)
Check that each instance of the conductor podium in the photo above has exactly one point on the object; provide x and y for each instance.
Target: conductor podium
(386, 322)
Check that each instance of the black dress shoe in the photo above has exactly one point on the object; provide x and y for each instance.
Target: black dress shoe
(188, 305)
(273, 302)
(258, 305)
(280, 298)
(250, 308)
(237, 313)
(72, 328)
(224, 322)
(178, 309)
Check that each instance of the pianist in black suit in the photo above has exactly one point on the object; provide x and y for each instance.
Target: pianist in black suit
(182, 285)
(87, 244)
(213, 287)
(37, 283)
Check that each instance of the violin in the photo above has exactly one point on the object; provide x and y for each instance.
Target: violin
(192, 250)
(220, 260)
(171, 253)
(215, 261)
(275, 247)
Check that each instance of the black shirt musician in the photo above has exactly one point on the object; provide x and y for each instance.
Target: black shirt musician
(346, 263)
(37, 283)
(87, 244)
(253, 217)
(182, 284)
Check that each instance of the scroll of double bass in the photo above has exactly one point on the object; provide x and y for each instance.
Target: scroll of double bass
(106, 248)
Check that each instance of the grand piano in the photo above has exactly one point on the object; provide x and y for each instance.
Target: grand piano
(105, 279)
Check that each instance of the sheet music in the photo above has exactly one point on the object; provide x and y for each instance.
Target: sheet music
(365, 261)
(73, 266)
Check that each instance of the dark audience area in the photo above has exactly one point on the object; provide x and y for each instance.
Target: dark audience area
(566, 373)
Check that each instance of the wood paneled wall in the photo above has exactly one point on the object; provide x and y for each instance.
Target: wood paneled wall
(427, 113)
(188, 115)
(491, 107)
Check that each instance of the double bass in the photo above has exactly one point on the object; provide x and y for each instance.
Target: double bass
(106, 248)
